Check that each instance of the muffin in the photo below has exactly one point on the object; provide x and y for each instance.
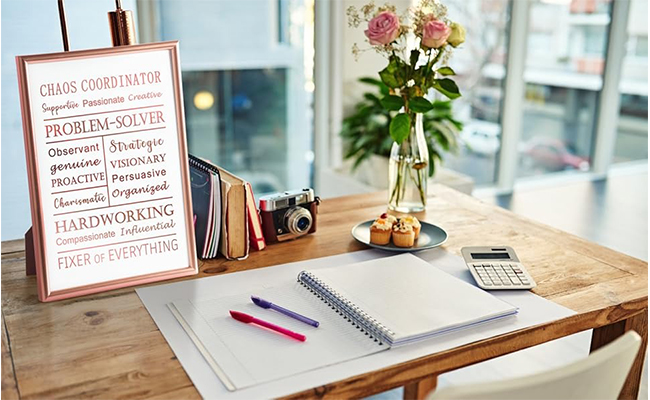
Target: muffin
(411, 220)
(403, 235)
(380, 232)
(391, 218)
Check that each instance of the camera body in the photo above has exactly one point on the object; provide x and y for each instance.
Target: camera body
(288, 215)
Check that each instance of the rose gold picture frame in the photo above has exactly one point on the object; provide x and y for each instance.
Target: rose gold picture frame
(40, 248)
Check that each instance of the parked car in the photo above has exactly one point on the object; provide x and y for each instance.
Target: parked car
(552, 154)
(481, 137)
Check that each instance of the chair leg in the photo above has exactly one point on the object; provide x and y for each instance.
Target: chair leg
(419, 390)
(607, 333)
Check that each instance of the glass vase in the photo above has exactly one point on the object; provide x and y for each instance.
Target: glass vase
(408, 169)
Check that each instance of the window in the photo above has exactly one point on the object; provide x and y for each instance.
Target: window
(32, 27)
(632, 132)
(239, 117)
(566, 56)
(247, 77)
(480, 64)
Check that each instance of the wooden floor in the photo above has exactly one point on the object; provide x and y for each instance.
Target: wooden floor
(613, 213)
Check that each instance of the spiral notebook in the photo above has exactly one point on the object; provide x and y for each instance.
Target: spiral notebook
(206, 203)
(362, 308)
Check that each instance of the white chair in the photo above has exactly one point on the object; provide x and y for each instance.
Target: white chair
(599, 376)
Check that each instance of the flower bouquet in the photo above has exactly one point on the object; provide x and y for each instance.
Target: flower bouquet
(418, 45)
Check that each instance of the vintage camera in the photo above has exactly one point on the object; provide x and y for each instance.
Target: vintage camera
(288, 215)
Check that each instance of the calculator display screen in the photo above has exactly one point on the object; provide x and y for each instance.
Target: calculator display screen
(487, 256)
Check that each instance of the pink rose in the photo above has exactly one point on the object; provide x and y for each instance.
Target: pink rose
(383, 29)
(435, 33)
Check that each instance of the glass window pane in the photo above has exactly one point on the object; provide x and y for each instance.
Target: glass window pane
(632, 133)
(238, 119)
(480, 65)
(567, 43)
(247, 77)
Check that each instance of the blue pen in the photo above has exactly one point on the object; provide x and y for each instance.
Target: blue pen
(267, 304)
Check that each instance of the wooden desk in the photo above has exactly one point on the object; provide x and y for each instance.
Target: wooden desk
(108, 346)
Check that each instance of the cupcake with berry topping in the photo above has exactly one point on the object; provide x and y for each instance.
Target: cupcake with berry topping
(403, 235)
(380, 231)
(411, 220)
(391, 218)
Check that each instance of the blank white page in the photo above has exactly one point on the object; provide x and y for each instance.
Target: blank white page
(411, 297)
(248, 354)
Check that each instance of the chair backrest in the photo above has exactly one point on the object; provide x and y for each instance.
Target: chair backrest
(599, 376)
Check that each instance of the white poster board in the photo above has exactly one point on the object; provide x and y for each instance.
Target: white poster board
(107, 163)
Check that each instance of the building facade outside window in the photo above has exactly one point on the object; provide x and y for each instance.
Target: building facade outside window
(632, 132)
(567, 43)
(480, 64)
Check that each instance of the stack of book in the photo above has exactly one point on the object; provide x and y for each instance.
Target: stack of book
(225, 213)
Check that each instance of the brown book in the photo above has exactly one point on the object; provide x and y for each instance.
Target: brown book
(234, 233)
(254, 222)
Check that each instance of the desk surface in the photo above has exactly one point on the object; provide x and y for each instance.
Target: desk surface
(107, 345)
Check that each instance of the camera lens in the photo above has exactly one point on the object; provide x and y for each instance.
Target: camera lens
(303, 223)
(298, 220)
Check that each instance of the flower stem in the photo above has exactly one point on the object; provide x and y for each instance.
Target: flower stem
(396, 188)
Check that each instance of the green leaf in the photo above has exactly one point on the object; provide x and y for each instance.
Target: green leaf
(438, 139)
(418, 76)
(370, 81)
(385, 146)
(371, 97)
(364, 156)
(415, 55)
(432, 162)
(388, 78)
(393, 75)
(442, 104)
(420, 105)
(449, 133)
(400, 127)
(392, 103)
(447, 87)
(383, 89)
(433, 155)
(445, 71)
(457, 124)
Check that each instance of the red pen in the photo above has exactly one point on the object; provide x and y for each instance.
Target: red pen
(249, 319)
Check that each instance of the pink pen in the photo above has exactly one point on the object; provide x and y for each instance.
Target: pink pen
(249, 319)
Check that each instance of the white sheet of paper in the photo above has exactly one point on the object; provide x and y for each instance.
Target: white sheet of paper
(249, 354)
(533, 310)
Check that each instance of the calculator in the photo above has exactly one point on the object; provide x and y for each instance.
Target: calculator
(497, 268)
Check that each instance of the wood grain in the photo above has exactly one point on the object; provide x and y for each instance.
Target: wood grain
(9, 385)
(13, 246)
(638, 323)
(420, 390)
(606, 334)
(106, 345)
(438, 363)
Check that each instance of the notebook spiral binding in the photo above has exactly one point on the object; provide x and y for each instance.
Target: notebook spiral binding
(202, 165)
(351, 312)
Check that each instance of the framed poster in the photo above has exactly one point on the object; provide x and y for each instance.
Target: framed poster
(107, 165)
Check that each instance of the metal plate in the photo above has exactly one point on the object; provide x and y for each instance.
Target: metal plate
(430, 236)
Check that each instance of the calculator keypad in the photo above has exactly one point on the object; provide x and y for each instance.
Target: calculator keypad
(501, 275)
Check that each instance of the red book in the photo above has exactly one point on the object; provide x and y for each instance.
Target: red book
(254, 222)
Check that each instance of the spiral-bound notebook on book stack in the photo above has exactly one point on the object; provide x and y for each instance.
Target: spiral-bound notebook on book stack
(206, 204)
(362, 308)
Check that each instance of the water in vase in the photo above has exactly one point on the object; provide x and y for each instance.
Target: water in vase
(407, 187)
